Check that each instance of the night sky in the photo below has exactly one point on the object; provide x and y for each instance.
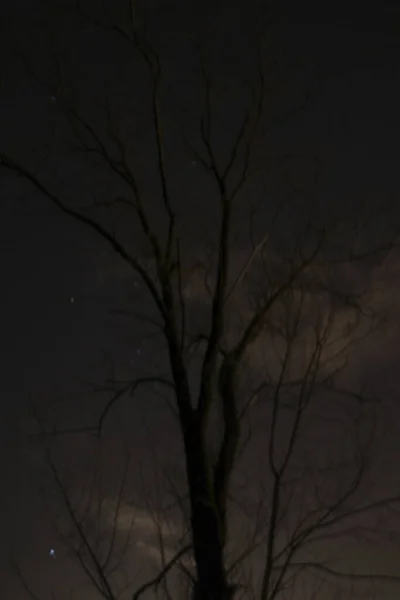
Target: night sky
(61, 285)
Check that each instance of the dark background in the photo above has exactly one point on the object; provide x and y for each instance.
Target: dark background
(347, 55)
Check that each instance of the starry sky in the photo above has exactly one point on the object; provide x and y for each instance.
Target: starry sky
(61, 284)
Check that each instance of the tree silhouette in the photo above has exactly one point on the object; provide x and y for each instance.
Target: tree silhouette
(281, 326)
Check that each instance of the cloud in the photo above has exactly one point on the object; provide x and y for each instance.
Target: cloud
(146, 531)
(141, 520)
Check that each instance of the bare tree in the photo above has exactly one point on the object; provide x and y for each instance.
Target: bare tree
(280, 328)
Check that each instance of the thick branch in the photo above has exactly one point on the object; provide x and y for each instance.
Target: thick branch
(228, 449)
(217, 315)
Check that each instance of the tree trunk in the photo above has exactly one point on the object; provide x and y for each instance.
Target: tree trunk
(208, 541)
